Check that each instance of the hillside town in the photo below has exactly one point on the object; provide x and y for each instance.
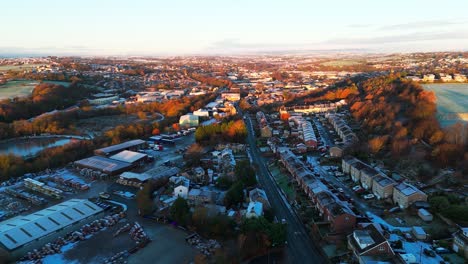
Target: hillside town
(231, 160)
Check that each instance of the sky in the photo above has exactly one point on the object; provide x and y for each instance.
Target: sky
(204, 27)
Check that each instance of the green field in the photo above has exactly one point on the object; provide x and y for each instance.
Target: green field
(451, 98)
(18, 67)
(22, 88)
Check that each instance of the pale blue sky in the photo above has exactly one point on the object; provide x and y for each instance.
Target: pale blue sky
(140, 27)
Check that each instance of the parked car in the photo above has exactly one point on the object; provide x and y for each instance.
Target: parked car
(104, 195)
(429, 252)
(368, 196)
(340, 190)
(409, 237)
(441, 250)
(394, 209)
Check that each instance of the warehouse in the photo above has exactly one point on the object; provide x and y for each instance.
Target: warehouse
(133, 179)
(105, 165)
(130, 157)
(188, 121)
(129, 145)
(22, 234)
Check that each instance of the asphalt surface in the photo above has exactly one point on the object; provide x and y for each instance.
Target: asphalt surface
(301, 249)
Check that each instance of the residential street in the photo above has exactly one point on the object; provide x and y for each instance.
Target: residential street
(301, 249)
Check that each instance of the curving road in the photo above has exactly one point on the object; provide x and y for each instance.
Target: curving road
(301, 249)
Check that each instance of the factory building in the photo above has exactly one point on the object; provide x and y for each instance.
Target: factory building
(114, 149)
(104, 165)
(22, 234)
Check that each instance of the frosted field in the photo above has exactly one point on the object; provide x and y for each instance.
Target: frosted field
(17, 89)
(451, 98)
(22, 88)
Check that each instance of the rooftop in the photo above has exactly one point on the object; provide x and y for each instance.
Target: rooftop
(128, 156)
(121, 146)
(406, 189)
(383, 180)
(21, 230)
(103, 164)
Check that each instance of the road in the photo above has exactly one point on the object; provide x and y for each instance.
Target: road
(301, 249)
(324, 134)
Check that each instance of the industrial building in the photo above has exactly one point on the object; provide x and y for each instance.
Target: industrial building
(114, 149)
(133, 179)
(42, 188)
(188, 121)
(130, 157)
(22, 234)
(104, 165)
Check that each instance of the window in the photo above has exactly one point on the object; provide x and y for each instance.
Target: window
(381, 248)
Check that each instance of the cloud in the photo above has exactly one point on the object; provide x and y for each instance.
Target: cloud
(411, 37)
(421, 24)
(236, 44)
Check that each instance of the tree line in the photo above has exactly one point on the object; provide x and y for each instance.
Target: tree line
(396, 113)
(226, 131)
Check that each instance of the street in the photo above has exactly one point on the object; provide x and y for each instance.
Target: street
(301, 248)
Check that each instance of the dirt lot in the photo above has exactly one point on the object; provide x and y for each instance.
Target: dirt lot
(104, 245)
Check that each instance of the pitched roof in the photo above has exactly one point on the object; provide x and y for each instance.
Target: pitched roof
(22, 230)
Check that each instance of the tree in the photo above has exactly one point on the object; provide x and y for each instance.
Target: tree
(439, 203)
(224, 182)
(377, 143)
(194, 154)
(234, 195)
(245, 173)
(144, 201)
(156, 131)
(180, 211)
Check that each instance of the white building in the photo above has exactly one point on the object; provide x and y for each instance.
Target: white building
(181, 191)
(201, 112)
(188, 120)
(255, 209)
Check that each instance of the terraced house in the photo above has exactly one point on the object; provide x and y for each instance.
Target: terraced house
(405, 194)
(382, 187)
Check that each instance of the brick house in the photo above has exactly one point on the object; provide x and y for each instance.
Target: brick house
(346, 163)
(405, 194)
(460, 242)
(382, 186)
(356, 169)
(369, 245)
(341, 218)
(367, 177)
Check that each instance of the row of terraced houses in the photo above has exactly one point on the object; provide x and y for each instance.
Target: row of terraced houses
(383, 187)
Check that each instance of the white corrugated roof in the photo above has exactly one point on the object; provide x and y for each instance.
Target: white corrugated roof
(21, 230)
(128, 156)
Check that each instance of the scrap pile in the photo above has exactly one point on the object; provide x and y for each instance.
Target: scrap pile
(86, 231)
(70, 183)
(139, 235)
(206, 248)
(93, 175)
(124, 228)
(34, 199)
(118, 258)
